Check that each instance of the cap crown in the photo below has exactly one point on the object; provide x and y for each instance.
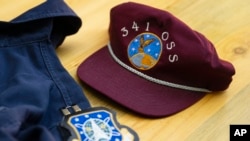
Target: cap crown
(159, 45)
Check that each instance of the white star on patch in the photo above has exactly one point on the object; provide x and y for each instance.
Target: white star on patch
(76, 119)
(99, 116)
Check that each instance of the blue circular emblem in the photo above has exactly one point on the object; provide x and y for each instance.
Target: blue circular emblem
(144, 51)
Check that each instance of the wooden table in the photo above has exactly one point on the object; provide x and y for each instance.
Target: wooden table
(225, 22)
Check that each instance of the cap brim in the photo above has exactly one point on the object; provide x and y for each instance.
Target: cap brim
(102, 73)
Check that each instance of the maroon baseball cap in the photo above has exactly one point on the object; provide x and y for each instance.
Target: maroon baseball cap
(154, 64)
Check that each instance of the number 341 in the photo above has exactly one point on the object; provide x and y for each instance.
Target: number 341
(135, 27)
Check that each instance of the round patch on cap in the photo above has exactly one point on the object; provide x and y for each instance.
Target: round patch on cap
(144, 51)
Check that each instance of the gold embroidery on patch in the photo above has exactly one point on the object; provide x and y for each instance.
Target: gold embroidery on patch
(144, 51)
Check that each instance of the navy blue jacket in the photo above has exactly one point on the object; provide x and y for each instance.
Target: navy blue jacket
(34, 85)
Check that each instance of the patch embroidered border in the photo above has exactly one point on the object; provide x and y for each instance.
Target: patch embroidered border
(144, 51)
(97, 124)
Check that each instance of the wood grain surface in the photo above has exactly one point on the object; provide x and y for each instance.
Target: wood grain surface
(226, 23)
